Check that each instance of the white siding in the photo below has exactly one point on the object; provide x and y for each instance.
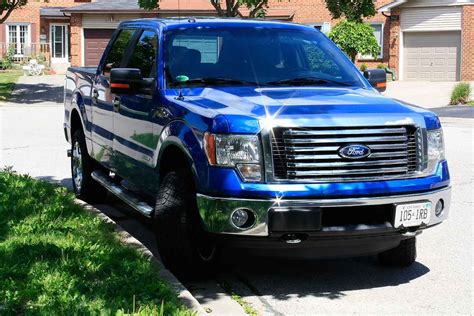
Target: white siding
(431, 19)
(105, 21)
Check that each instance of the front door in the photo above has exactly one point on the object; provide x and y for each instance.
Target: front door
(103, 99)
(135, 132)
(60, 42)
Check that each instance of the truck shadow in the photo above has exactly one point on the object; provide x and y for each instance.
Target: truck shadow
(280, 278)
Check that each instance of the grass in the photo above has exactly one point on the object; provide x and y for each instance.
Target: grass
(248, 308)
(58, 259)
(461, 93)
(8, 78)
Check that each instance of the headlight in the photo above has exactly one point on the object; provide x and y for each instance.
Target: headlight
(235, 151)
(435, 148)
(435, 145)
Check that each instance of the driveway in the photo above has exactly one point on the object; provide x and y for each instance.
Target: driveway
(32, 141)
(425, 94)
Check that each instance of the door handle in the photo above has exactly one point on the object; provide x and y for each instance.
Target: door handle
(117, 103)
(95, 95)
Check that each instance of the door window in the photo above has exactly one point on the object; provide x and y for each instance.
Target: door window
(117, 52)
(144, 54)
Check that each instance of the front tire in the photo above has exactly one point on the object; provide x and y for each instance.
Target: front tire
(82, 166)
(403, 255)
(183, 245)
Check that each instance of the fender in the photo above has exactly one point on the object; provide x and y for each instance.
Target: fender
(77, 104)
(178, 134)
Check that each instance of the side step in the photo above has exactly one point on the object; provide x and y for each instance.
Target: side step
(128, 197)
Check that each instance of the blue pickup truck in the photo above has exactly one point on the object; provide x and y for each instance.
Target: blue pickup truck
(257, 136)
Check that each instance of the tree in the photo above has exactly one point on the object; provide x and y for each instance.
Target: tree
(7, 7)
(354, 37)
(352, 10)
(228, 8)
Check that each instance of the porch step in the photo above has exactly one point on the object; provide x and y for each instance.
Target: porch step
(59, 67)
(122, 193)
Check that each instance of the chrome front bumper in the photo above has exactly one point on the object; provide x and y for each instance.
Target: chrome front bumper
(216, 211)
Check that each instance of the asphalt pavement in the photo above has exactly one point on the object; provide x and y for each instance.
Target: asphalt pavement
(32, 141)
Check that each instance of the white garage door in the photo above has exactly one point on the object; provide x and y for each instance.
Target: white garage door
(432, 56)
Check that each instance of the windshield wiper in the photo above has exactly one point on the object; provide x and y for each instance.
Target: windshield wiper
(217, 81)
(307, 82)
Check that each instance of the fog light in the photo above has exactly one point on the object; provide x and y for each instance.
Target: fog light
(439, 208)
(242, 218)
(250, 172)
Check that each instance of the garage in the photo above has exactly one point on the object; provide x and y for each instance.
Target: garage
(432, 56)
(95, 42)
(431, 43)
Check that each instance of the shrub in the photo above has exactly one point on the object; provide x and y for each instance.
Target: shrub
(7, 62)
(363, 67)
(355, 38)
(381, 66)
(461, 93)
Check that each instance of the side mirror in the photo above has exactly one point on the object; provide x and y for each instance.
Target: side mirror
(377, 78)
(130, 81)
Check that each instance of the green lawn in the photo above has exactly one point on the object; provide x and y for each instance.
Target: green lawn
(8, 78)
(58, 259)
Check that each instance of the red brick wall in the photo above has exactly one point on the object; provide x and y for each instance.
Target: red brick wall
(467, 63)
(76, 39)
(31, 14)
(394, 43)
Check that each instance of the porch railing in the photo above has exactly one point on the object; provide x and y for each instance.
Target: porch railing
(28, 52)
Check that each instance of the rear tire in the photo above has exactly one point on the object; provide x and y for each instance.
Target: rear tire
(183, 245)
(82, 166)
(403, 255)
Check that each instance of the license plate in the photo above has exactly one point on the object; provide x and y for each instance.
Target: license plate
(409, 215)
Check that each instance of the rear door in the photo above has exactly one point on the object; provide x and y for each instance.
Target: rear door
(102, 98)
(136, 139)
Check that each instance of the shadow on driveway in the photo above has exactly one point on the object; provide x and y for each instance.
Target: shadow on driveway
(28, 93)
(281, 279)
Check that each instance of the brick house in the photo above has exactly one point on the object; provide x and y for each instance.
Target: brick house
(420, 39)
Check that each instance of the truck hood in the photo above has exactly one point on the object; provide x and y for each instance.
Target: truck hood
(248, 110)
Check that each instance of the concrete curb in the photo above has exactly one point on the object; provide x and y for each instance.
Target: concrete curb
(184, 295)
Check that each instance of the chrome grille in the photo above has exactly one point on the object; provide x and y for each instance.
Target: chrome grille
(312, 154)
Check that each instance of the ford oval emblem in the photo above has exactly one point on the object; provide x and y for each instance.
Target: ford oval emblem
(355, 152)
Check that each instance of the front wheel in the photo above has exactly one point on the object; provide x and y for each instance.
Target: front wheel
(403, 255)
(82, 166)
(183, 245)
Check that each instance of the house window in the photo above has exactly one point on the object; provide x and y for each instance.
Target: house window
(323, 27)
(378, 33)
(19, 38)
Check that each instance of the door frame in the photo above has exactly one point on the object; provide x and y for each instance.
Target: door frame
(64, 59)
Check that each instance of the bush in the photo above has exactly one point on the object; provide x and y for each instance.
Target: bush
(7, 62)
(461, 93)
(355, 38)
(363, 67)
(381, 66)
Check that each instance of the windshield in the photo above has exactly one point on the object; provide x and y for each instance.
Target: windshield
(261, 56)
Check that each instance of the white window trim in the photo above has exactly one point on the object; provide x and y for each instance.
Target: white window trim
(322, 25)
(27, 39)
(382, 35)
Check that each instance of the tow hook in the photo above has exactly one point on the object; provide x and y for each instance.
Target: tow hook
(69, 153)
(292, 238)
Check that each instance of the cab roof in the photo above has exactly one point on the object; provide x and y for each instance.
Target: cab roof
(185, 22)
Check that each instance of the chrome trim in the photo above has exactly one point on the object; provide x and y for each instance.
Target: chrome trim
(361, 139)
(292, 154)
(348, 164)
(343, 172)
(122, 193)
(215, 211)
(345, 132)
